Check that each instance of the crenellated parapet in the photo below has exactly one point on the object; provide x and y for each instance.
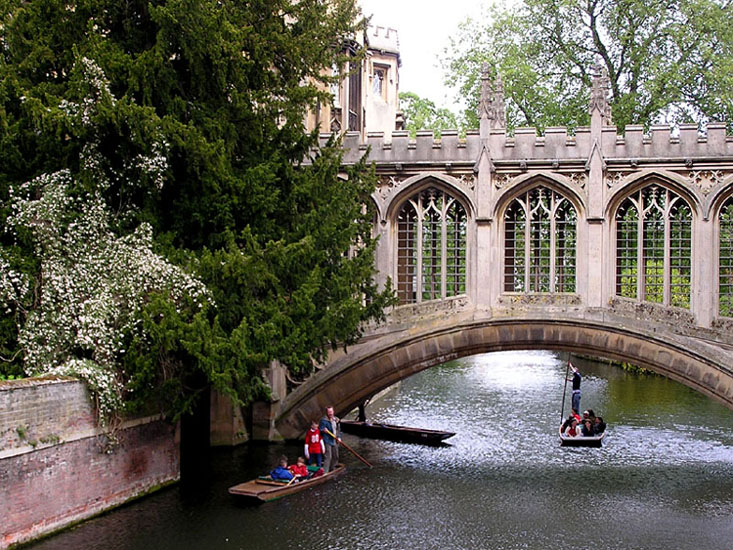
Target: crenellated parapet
(400, 149)
(688, 146)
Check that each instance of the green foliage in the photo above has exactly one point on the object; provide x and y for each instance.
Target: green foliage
(668, 61)
(634, 369)
(423, 114)
(188, 116)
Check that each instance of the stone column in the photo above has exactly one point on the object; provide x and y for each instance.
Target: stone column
(491, 115)
(704, 278)
(591, 281)
(384, 251)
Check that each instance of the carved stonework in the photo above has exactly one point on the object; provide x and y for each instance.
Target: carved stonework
(675, 317)
(540, 299)
(468, 181)
(503, 179)
(706, 180)
(725, 325)
(578, 178)
(411, 312)
(601, 85)
(387, 185)
(614, 178)
(491, 101)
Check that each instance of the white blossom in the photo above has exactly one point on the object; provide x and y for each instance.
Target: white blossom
(93, 285)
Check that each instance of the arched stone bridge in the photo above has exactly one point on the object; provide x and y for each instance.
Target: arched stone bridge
(619, 246)
(418, 340)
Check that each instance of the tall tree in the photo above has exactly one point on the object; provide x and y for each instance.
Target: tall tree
(668, 61)
(422, 114)
(187, 115)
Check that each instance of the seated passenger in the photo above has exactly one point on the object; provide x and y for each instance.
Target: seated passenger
(587, 429)
(299, 469)
(573, 414)
(281, 472)
(572, 430)
(600, 426)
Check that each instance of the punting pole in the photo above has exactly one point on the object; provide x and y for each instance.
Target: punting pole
(564, 389)
(357, 455)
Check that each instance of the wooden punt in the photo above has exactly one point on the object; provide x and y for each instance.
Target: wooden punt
(265, 490)
(394, 433)
(581, 441)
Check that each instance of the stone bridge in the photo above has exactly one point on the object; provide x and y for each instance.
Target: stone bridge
(619, 246)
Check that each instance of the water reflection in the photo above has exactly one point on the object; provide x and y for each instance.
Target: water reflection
(664, 479)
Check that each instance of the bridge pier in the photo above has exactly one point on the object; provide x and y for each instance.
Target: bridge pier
(227, 426)
(264, 413)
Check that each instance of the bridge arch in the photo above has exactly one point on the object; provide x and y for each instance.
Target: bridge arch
(377, 364)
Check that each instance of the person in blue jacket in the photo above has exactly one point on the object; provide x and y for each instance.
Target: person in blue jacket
(281, 472)
(328, 425)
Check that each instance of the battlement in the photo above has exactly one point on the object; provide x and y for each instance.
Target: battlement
(385, 39)
(526, 144)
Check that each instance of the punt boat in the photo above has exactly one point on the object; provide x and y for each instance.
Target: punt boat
(581, 441)
(265, 489)
(394, 433)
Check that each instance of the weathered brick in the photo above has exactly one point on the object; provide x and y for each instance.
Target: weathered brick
(47, 488)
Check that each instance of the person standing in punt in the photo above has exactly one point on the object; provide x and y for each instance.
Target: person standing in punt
(314, 447)
(576, 378)
(330, 423)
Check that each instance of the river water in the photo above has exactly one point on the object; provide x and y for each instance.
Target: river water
(663, 480)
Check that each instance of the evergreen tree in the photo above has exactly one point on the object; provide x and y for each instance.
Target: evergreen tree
(188, 115)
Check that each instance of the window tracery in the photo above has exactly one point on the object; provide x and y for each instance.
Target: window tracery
(725, 260)
(540, 237)
(654, 247)
(431, 247)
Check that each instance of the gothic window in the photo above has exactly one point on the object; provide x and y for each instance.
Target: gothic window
(379, 82)
(336, 86)
(725, 269)
(431, 247)
(654, 247)
(540, 243)
(354, 108)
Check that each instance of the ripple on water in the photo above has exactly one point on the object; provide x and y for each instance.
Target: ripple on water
(664, 479)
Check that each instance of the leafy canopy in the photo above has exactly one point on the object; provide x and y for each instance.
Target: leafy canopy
(422, 114)
(669, 61)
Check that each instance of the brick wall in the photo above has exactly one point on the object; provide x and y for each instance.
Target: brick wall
(54, 471)
(38, 411)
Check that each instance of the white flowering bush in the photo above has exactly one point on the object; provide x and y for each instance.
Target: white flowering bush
(13, 286)
(92, 287)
